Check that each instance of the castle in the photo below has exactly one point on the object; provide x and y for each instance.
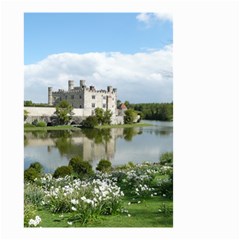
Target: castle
(84, 97)
(84, 101)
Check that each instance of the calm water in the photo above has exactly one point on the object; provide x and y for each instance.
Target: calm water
(120, 145)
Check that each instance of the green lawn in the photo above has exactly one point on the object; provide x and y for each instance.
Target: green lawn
(64, 127)
(124, 125)
(69, 127)
(143, 214)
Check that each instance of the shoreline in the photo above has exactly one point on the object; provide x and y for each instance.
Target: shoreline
(69, 127)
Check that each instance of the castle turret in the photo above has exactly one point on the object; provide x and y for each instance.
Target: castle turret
(50, 98)
(109, 89)
(70, 85)
(82, 83)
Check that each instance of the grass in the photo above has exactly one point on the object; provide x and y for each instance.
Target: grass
(64, 127)
(124, 125)
(144, 214)
(69, 127)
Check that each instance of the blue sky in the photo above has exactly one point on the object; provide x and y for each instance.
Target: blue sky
(62, 46)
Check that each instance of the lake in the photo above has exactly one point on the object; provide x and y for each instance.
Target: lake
(119, 145)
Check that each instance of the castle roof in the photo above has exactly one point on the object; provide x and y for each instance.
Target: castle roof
(123, 107)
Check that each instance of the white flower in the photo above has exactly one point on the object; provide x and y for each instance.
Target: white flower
(38, 219)
(83, 198)
(139, 201)
(74, 201)
(164, 195)
(74, 209)
(129, 215)
(69, 223)
(129, 203)
(35, 222)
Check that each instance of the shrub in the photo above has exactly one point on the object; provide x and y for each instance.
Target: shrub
(104, 165)
(30, 174)
(41, 124)
(62, 171)
(166, 159)
(90, 122)
(74, 162)
(37, 166)
(130, 116)
(80, 167)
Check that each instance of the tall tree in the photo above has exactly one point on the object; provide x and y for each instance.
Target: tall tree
(64, 112)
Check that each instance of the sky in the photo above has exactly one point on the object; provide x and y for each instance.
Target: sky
(129, 51)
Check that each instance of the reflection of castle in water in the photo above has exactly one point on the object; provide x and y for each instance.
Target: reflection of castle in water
(91, 144)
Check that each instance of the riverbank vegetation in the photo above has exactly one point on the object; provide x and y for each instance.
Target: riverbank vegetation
(155, 111)
(132, 195)
(30, 127)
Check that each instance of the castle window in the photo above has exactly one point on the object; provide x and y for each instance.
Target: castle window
(93, 105)
(104, 97)
(72, 96)
(80, 96)
(104, 105)
(66, 97)
(93, 96)
(80, 106)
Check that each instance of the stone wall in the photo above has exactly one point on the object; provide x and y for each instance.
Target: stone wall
(46, 113)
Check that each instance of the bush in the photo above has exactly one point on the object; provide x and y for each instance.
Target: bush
(90, 122)
(74, 162)
(80, 167)
(30, 174)
(41, 124)
(166, 159)
(104, 165)
(130, 116)
(37, 166)
(62, 171)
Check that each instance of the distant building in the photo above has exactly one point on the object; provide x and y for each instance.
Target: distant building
(84, 97)
(121, 109)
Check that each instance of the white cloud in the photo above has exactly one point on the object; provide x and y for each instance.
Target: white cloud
(139, 77)
(143, 17)
(150, 18)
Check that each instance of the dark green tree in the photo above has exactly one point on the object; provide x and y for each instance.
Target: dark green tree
(64, 112)
(127, 104)
(28, 103)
